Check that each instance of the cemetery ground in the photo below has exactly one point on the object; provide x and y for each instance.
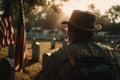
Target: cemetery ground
(32, 68)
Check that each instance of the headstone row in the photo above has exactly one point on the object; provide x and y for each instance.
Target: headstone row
(7, 69)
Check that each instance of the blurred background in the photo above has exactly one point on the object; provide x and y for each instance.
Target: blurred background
(41, 22)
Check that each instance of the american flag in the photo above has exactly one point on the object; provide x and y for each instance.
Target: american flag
(20, 50)
(6, 26)
(7, 35)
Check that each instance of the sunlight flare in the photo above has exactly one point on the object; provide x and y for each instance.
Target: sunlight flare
(101, 5)
(71, 5)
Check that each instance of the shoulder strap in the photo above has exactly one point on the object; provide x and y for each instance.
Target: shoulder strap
(110, 52)
(70, 56)
(114, 61)
(67, 50)
(103, 50)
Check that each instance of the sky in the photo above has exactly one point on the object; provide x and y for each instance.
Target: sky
(102, 5)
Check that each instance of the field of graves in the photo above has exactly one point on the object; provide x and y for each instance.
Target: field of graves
(32, 68)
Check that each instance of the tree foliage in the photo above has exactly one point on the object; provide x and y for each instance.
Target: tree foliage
(29, 5)
(110, 21)
(46, 13)
(30, 10)
(113, 14)
(112, 18)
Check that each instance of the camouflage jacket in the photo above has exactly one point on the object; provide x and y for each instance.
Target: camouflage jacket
(58, 59)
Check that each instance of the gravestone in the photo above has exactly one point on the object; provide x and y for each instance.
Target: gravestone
(7, 69)
(11, 49)
(53, 42)
(44, 59)
(35, 51)
(64, 42)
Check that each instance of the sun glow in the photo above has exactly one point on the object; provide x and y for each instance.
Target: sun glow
(69, 6)
(101, 5)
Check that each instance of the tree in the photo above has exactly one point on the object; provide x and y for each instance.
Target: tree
(33, 5)
(113, 19)
(29, 5)
(113, 14)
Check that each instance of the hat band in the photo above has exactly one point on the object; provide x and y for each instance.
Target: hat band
(95, 29)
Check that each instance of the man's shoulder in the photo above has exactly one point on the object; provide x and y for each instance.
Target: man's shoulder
(105, 46)
(59, 54)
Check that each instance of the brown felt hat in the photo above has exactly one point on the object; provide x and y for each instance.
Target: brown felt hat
(83, 20)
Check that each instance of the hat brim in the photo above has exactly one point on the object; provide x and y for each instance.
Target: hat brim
(96, 27)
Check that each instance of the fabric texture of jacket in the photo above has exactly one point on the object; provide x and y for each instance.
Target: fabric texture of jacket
(59, 58)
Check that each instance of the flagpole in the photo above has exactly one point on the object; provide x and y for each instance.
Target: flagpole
(20, 52)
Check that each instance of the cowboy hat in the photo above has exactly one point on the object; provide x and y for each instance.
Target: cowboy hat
(83, 20)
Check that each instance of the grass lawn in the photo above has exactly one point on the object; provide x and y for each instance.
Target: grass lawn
(33, 69)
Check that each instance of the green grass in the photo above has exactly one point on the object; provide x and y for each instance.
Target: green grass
(32, 69)
(3, 52)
